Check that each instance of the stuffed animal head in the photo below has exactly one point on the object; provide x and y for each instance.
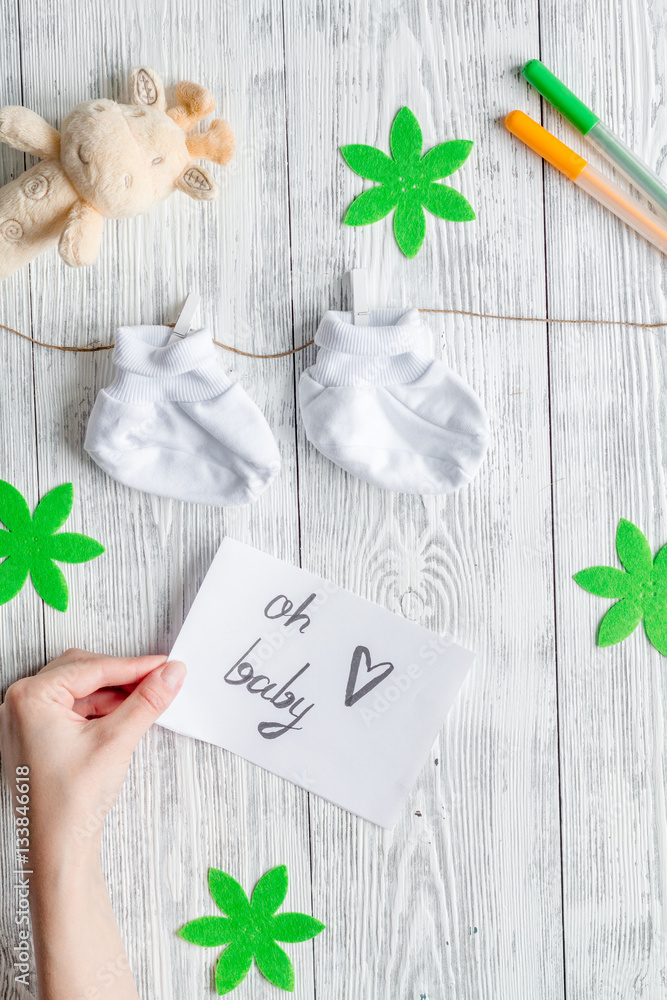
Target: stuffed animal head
(124, 158)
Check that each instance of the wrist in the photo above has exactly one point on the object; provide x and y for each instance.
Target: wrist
(64, 853)
(62, 884)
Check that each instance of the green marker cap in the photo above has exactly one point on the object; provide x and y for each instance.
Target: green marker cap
(557, 94)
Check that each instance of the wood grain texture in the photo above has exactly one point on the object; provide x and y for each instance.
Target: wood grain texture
(21, 636)
(465, 899)
(609, 451)
(185, 806)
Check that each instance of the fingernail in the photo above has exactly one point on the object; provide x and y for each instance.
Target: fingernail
(173, 675)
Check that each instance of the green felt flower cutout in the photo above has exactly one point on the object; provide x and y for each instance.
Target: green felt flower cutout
(30, 544)
(251, 929)
(642, 589)
(408, 182)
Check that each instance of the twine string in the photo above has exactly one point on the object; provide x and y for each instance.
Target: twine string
(90, 349)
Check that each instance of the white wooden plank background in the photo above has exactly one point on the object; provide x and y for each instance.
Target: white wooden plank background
(531, 860)
(609, 412)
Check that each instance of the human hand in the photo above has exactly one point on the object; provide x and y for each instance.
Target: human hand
(75, 725)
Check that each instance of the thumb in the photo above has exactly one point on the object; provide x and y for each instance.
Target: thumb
(151, 697)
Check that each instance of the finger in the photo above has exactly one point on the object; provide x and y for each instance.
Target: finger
(147, 702)
(83, 677)
(128, 688)
(69, 656)
(99, 704)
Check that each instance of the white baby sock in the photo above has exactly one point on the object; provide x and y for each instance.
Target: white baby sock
(173, 423)
(385, 412)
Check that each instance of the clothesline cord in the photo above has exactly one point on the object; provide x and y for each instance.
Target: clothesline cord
(294, 350)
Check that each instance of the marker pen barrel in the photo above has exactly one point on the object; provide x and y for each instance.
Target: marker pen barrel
(600, 135)
(587, 177)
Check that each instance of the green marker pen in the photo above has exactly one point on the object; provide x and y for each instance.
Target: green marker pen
(599, 134)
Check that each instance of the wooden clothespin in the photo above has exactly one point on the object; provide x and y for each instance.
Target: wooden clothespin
(186, 319)
(358, 292)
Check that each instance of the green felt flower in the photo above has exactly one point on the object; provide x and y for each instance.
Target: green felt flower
(30, 544)
(251, 929)
(408, 182)
(642, 589)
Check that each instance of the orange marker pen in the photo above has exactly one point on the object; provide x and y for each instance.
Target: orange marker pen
(587, 177)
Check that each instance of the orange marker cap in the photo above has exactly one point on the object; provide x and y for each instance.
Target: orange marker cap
(545, 144)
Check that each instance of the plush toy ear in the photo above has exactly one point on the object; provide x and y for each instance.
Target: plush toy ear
(147, 88)
(198, 183)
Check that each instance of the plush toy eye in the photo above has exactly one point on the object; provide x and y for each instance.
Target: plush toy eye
(158, 159)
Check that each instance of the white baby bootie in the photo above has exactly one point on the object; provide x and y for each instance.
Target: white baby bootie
(173, 423)
(382, 410)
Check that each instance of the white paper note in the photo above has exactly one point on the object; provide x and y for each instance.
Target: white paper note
(312, 682)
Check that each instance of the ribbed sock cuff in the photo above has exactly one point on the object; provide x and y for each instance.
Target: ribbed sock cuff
(386, 352)
(150, 369)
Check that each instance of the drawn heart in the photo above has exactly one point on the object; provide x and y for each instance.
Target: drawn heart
(352, 696)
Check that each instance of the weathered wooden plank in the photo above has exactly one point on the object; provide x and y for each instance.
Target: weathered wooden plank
(21, 635)
(186, 806)
(609, 414)
(402, 908)
(463, 899)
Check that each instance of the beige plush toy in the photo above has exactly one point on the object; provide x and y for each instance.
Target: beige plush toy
(108, 161)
